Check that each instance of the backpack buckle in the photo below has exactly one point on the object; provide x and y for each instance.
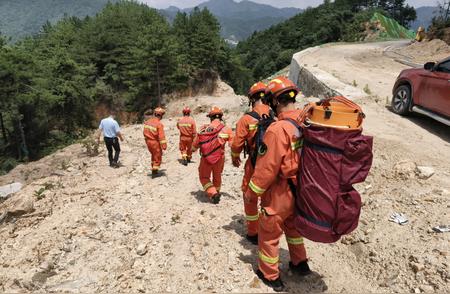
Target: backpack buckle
(328, 113)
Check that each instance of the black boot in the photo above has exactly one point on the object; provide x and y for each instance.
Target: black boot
(252, 239)
(277, 285)
(216, 199)
(301, 269)
(184, 162)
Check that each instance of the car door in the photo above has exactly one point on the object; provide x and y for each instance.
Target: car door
(435, 94)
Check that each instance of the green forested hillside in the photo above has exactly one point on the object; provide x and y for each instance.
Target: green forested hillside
(268, 51)
(239, 20)
(51, 83)
(19, 18)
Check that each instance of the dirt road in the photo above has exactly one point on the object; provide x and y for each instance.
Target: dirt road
(99, 229)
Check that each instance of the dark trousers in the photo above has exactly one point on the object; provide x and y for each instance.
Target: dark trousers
(110, 144)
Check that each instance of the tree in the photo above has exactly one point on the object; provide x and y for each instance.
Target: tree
(124, 57)
(441, 23)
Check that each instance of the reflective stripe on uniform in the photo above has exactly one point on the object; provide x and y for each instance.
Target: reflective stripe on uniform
(252, 127)
(278, 81)
(235, 154)
(265, 258)
(184, 125)
(296, 145)
(252, 218)
(255, 188)
(153, 129)
(163, 141)
(294, 241)
(207, 186)
(224, 136)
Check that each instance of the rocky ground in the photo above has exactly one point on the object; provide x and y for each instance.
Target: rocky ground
(80, 226)
(421, 52)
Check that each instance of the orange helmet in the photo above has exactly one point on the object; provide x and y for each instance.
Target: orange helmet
(186, 110)
(281, 85)
(159, 111)
(215, 111)
(258, 87)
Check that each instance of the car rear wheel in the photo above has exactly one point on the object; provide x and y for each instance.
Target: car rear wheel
(401, 100)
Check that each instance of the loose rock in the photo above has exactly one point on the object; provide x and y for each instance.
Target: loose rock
(417, 267)
(7, 190)
(427, 288)
(424, 172)
(141, 249)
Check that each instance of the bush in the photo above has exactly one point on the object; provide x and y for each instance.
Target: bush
(91, 146)
(7, 164)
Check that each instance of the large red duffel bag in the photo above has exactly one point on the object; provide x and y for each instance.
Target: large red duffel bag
(333, 158)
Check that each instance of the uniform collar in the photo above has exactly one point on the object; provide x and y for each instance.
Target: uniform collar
(261, 108)
(292, 114)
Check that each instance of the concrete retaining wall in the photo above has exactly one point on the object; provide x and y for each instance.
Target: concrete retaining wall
(315, 82)
(307, 81)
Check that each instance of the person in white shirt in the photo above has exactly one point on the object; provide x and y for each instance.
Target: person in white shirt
(111, 134)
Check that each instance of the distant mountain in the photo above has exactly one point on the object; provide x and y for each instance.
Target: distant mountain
(19, 18)
(424, 16)
(240, 19)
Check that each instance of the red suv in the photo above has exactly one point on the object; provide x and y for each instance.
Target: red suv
(424, 90)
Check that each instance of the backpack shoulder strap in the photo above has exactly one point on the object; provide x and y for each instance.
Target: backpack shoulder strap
(298, 129)
(254, 114)
(220, 128)
(271, 113)
(293, 122)
(214, 134)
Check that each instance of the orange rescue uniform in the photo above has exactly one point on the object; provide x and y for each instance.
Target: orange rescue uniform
(188, 131)
(155, 140)
(205, 169)
(245, 132)
(275, 167)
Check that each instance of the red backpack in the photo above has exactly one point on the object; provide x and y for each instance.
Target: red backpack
(210, 147)
(332, 160)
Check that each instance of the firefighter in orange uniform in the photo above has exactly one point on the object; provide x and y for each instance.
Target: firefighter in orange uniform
(155, 138)
(277, 167)
(244, 141)
(188, 131)
(211, 140)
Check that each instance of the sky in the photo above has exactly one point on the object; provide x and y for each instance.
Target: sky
(276, 3)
